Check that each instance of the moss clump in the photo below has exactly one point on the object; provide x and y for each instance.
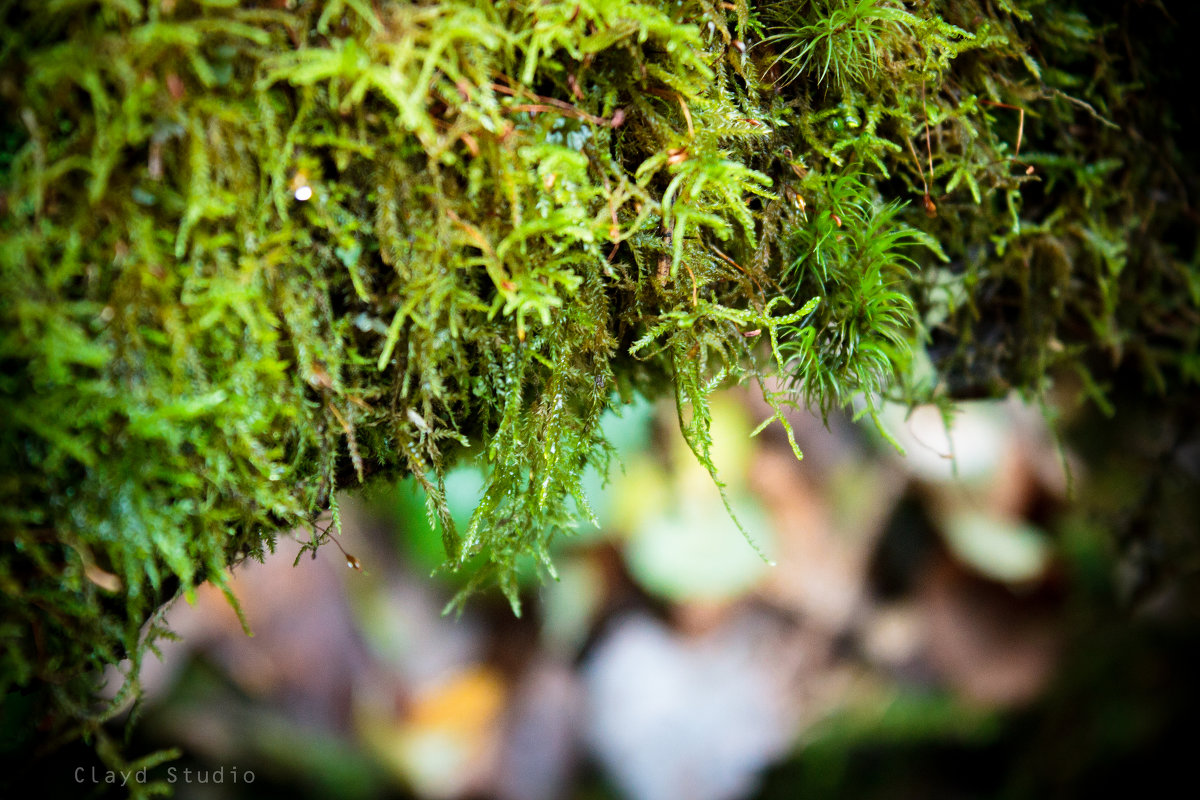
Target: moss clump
(255, 252)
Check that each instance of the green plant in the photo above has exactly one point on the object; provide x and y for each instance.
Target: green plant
(838, 43)
(253, 253)
(851, 256)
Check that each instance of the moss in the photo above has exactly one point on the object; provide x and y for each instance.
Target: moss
(253, 253)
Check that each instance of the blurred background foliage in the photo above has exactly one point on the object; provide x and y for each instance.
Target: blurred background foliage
(947, 623)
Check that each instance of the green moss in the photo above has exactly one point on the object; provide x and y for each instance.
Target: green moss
(253, 253)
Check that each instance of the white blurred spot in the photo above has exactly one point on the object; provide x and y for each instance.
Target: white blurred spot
(674, 718)
(303, 193)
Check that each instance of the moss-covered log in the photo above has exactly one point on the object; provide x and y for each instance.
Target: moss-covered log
(252, 253)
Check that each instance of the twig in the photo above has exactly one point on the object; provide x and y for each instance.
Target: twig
(1088, 106)
(687, 114)
(927, 201)
(733, 263)
(1016, 158)
(546, 104)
